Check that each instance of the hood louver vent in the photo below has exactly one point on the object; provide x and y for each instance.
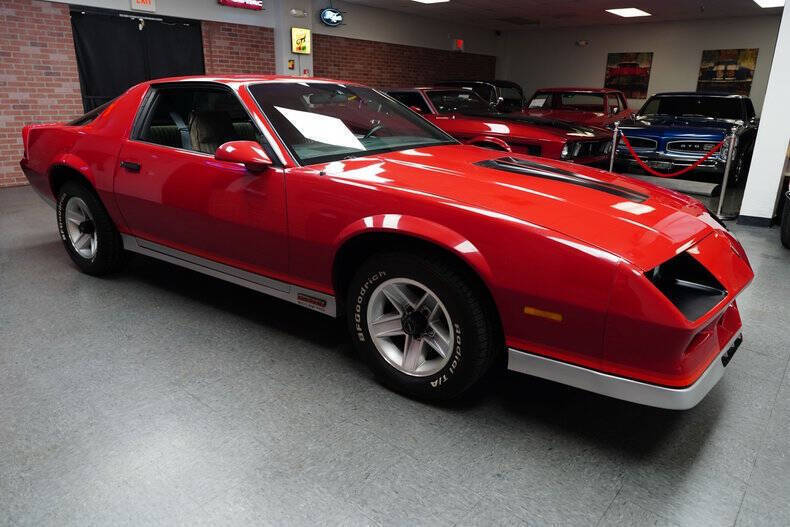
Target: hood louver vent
(530, 168)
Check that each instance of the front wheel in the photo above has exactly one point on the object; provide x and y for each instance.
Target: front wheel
(420, 324)
(88, 233)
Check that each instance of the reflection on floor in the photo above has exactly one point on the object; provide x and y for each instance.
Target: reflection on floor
(704, 189)
(161, 396)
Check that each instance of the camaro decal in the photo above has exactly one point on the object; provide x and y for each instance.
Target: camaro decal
(530, 168)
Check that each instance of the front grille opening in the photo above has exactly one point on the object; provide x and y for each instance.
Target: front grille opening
(641, 142)
(591, 148)
(688, 285)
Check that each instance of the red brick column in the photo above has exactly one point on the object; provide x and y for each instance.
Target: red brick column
(386, 65)
(236, 48)
(39, 81)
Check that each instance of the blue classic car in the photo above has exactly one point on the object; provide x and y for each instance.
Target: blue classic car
(674, 130)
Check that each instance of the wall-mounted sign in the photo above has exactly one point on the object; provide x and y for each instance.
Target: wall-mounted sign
(300, 40)
(629, 73)
(255, 5)
(727, 70)
(144, 5)
(331, 17)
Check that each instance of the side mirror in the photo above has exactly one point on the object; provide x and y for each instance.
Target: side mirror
(250, 153)
(416, 109)
(615, 110)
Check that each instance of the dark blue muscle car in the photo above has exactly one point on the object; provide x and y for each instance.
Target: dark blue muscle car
(674, 130)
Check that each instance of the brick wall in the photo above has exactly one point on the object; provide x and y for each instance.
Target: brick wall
(234, 48)
(386, 65)
(38, 75)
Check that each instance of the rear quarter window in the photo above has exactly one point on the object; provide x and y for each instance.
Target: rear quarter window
(91, 116)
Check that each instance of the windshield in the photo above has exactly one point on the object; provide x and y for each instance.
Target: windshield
(573, 101)
(321, 122)
(584, 102)
(692, 106)
(458, 101)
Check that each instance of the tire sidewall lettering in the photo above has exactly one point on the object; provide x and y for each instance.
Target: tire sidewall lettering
(367, 285)
(452, 366)
(61, 214)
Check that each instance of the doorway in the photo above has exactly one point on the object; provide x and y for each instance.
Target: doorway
(116, 50)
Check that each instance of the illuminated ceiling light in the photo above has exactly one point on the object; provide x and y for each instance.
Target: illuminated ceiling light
(770, 3)
(628, 12)
(430, 1)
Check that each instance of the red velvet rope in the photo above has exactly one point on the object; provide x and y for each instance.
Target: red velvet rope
(649, 170)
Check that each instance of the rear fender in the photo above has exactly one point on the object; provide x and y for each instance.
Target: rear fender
(74, 163)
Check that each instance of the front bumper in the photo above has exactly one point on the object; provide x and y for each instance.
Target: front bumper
(624, 388)
(670, 162)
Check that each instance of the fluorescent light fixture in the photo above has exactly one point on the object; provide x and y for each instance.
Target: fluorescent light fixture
(770, 3)
(430, 1)
(628, 12)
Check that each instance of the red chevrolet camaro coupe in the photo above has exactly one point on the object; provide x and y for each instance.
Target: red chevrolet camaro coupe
(440, 256)
(464, 115)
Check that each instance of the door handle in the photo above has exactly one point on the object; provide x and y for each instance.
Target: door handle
(131, 167)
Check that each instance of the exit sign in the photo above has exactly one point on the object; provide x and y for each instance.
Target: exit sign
(256, 5)
(144, 5)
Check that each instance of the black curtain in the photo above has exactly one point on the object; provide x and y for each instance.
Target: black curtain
(115, 53)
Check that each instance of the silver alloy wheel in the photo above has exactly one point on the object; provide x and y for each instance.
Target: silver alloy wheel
(81, 228)
(410, 327)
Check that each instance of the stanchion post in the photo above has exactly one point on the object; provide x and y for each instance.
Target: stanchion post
(614, 145)
(730, 151)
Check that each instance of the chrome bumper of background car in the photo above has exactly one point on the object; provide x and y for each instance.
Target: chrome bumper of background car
(620, 387)
(671, 162)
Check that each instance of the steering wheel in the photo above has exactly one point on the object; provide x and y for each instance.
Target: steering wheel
(373, 129)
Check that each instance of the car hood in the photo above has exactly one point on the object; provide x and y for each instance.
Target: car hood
(668, 125)
(637, 221)
(564, 129)
(590, 118)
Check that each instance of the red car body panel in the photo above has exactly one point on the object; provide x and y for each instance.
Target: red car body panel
(521, 137)
(590, 118)
(534, 242)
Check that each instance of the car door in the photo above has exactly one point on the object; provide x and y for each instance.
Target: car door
(172, 192)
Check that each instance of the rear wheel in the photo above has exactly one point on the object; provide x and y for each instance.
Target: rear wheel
(741, 169)
(786, 222)
(420, 324)
(87, 231)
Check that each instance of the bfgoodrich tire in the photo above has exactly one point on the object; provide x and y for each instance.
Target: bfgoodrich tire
(420, 324)
(88, 233)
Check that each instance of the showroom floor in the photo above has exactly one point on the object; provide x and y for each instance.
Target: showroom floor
(161, 396)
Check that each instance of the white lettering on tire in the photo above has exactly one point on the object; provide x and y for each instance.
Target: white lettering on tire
(363, 291)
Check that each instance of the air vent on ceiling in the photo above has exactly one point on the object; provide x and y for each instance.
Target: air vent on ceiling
(519, 21)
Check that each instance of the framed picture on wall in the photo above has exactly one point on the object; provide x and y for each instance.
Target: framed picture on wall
(629, 73)
(727, 70)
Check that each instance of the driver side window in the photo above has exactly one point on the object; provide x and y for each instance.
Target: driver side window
(199, 120)
(614, 104)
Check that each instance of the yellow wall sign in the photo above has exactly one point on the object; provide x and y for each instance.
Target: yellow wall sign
(300, 40)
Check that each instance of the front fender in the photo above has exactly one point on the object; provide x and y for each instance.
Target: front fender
(422, 229)
(494, 142)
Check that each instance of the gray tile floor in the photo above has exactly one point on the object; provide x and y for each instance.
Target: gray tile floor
(161, 396)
